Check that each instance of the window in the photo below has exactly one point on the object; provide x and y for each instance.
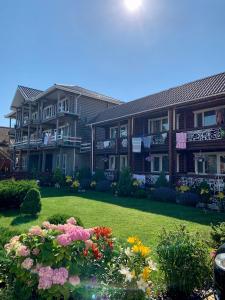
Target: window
(123, 131)
(160, 163)
(34, 115)
(112, 162)
(24, 163)
(209, 117)
(49, 112)
(210, 163)
(158, 125)
(113, 132)
(63, 105)
(123, 162)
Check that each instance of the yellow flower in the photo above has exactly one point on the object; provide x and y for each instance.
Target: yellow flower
(133, 273)
(133, 240)
(145, 274)
(184, 188)
(220, 196)
(76, 184)
(143, 250)
(68, 179)
(148, 291)
(204, 191)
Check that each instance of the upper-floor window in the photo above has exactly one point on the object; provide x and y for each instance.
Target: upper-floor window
(63, 105)
(49, 112)
(209, 117)
(158, 125)
(113, 132)
(35, 115)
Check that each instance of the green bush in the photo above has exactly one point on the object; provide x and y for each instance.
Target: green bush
(85, 183)
(62, 218)
(125, 186)
(161, 181)
(188, 199)
(218, 235)
(184, 259)
(84, 173)
(58, 177)
(32, 203)
(103, 186)
(140, 193)
(203, 190)
(164, 194)
(46, 179)
(99, 175)
(12, 192)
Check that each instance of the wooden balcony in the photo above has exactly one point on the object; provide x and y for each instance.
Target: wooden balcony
(106, 146)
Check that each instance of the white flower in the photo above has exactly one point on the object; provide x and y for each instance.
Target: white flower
(128, 252)
(125, 271)
(152, 265)
(142, 285)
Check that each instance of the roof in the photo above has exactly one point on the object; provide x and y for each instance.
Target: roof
(196, 90)
(28, 92)
(83, 91)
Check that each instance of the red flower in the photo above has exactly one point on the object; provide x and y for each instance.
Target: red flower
(104, 232)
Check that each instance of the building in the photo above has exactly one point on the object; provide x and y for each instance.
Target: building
(5, 158)
(179, 131)
(51, 129)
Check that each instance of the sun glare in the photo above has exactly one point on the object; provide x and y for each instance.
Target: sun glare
(133, 5)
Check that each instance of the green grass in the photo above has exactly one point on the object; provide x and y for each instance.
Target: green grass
(126, 216)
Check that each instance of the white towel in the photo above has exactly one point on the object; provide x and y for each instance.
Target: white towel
(136, 145)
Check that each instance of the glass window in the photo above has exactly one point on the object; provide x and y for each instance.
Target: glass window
(112, 162)
(123, 131)
(209, 118)
(200, 167)
(165, 124)
(156, 126)
(156, 164)
(113, 132)
(222, 164)
(199, 120)
(123, 162)
(165, 163)
(211, 164)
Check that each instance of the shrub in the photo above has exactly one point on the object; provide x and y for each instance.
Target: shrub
(184, 260)
(188, 198)
(58, 177)
(103, 186)
(83, 173)
(114, 187)
(99, 175)
(218, 235)
(162, 181)
(46, 179)
(140, 193)
(164, 194)
(62, 218)
(75, 185)
(32, 203)
(93, 184)
(203, 190)
(12, 192)
(85, 183)
(125, 183)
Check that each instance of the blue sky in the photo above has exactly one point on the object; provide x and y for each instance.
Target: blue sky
(100, 45)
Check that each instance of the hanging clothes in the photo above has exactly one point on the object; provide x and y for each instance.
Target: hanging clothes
(219, 117)
(181, 140)
(136, 145)
(106, 144)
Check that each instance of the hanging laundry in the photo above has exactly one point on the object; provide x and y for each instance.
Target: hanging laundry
(147, 141)
(124, 143)
(46, 139)
(181, 140)
(136, 145)
(106, 144)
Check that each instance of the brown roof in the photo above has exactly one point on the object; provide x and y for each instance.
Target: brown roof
(195, 90)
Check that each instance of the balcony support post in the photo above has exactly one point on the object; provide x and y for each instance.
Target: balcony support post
(171, 150)
(93, 137)
(129, 153)
(132, 154)
(43, 161)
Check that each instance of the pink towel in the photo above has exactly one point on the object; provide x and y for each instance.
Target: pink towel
(181, 140)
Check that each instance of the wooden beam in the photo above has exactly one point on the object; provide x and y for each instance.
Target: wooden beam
(171, 150)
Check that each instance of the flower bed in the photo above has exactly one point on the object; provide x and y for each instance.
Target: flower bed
(59, 261)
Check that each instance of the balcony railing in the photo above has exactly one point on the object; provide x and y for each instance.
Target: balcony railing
(208, 134)
(106, 145)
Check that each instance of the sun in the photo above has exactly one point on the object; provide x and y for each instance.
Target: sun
(133, 5)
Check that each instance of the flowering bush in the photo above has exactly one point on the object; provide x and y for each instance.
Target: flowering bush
(69, 180)
(183, 188)
(57, 261)
(93, 184)
(114, 187)
(75, 185)
(50, 261)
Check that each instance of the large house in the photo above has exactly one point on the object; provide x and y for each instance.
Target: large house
(50, 129)
(5, 158)
(179, 131)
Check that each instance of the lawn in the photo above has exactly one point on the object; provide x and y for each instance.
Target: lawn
(126, 216)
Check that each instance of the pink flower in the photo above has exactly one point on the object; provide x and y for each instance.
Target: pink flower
(35, 251)
(23, 251)
(60, 276)
(44, 284)
(46, 225)
(74, 280)
(71, 221)
(15, 239)
(45, 277)
(36, 230)
(27, 263)
(88, 244)
(64, 239)
(91, 231)
(46, 272)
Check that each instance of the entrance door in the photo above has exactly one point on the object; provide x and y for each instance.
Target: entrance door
(48, 163)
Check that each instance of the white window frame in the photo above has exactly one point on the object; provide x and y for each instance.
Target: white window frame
(110, 131)
(35, 115)
(126, 128)
(160, 156)
(65, 102)
(49, 112)
(202, 111)
(114, 162)
(177, 121)
(126, 161)
(150, 124)
(218, 155)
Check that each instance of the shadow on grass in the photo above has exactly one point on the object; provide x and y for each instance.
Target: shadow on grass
(189, 214)
(21, 219)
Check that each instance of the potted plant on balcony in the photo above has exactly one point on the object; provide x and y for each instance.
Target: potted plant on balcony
(203, 190)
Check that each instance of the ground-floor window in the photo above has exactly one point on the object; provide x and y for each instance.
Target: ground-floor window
(210, 163)
(24, 163)
(123, 162)
(112, 162)
(159, 163)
